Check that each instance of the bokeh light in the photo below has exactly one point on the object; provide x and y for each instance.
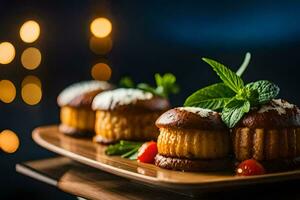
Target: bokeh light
(31, 79)
(100, 46)
(30, 31)
(31, 58)
(31, 93)
(7, 52)
(101, 27)
(7, 91)
(9, 141)
(101, 71)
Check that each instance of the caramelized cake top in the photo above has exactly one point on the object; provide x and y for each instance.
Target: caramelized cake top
(191, 118)
(277, 113)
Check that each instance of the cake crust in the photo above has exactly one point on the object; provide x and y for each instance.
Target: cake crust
(266, 144)
(182, 164)
(112, 126)
(84, 100)
(275, 114)
(193, 144)
(129, 100)
(82, 94)
(182, 119)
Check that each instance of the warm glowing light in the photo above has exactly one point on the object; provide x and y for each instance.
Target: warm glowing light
(31, 58)
(7, 52)
(100, 46)
(7, 91)
(239, 170)
(101, 71)
(101, 27)
(31, 93)
(9, 141)
(30, 31)
(31, 79)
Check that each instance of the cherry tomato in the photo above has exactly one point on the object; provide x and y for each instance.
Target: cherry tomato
(147, 152)
(249, 168)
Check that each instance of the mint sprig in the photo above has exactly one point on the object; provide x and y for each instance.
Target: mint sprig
(165, 85)
(232, 97)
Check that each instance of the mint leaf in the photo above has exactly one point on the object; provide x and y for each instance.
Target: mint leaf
(158, 79)
(234, 110)
(212, 97)
(146, 87)
(244, 65)
(248, 94)
(266, 90)
(126, 82)
(166, 84)
(233, 81)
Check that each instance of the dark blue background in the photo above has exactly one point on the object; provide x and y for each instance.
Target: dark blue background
(148, 37)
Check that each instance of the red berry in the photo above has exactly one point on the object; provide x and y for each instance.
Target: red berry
(147, 152)
(249, 168)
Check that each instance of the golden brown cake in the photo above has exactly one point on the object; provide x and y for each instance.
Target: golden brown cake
(192, 139)
(127, 114)
(270, 134)
(77, 117)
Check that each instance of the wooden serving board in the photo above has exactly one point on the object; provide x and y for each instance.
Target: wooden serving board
(90, 183)
(92, 154)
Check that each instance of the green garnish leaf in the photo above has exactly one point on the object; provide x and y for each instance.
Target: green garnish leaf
(126, 82)
(233, 81)
(248, 94)
(146, 87)
(211, 97)
(124, 148)
(232, 97)
(165, 85)
(266, 90)
(134, 156)
(234, 111)
(130, 153)
(125, 142)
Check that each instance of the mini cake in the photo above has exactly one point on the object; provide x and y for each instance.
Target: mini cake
(192, 139)
(270, 134)
(127, 114)
(77, 117)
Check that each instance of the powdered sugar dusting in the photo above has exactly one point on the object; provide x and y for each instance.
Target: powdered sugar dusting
(77, 89)
(278, 105)
(199, 111)
(122, 96)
